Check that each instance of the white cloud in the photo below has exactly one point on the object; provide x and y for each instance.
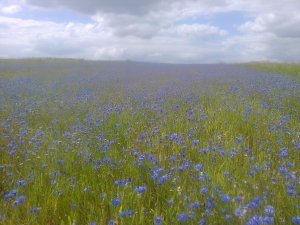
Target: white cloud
(199, 31)
(11, 9)
(157, 30)
(110, 53)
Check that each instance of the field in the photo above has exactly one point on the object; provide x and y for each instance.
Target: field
(91, 143)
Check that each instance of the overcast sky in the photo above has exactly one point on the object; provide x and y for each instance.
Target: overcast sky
(177, 31)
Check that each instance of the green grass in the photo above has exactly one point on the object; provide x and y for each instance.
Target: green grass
(118, 121)
(291, 69)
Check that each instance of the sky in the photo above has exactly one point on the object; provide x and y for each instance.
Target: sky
(171, 31)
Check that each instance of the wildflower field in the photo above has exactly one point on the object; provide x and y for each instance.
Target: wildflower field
(96, 143)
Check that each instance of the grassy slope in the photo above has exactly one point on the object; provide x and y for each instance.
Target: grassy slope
(87, 191)
(277, 68)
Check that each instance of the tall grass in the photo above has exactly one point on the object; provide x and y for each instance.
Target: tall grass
(133, 143)
(292, 69)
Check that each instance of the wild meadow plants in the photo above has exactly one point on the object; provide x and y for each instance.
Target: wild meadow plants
(138, 143)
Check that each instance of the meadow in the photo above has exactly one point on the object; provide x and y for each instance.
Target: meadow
(96, 143)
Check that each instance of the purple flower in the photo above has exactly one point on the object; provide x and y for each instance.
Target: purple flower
(35, 209)
(239, 212)
(283, 152)
(120, 182)
(173, 137)
(269, 210)
(202, 221)
(170, 202)
(203, 150)
(126, 213)
(162, 179)
(21, 183)
(140, 189)
(255, 220)
(195, 204)
(238, 198)
(196, 142)
(181, 217)
(239, 139)
(282, 170)
(158, 220)
(225, 198)
(111, 222)
(116, 201)
(60, 161)
(204, 189)
(296, 220)
(20, 199)
(11, 193)
(198, 166)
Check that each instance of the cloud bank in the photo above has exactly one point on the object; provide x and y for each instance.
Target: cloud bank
(186, 31)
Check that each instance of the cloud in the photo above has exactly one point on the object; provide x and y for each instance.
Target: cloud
(181, 31)
(199, 31)
(110, 53)
(281, 24)
(11, 9)
(112, 6)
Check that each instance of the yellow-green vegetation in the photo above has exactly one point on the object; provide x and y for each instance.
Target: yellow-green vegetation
(291, 69)
(101, 143)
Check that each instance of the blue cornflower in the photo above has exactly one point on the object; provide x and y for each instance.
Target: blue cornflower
(204, 150)
(254, 203)
(181, 217)
(239, 212)
(239, 139)
(60, 161)
(255, 220)
(121, 182)
(162, 179)
(126, 213)
(268, 220)
(296, 220)
(283, 152)
(116, 201)
(238, 198)
(53, 182)
(195, 204)
(58, 192)
(170, 202)
(198, 166)
(11, 193)
(204, 189)
(282, 170)
(92, 223)
(20, 199)
(225, 198)
(140, 189)
(106, 160)
(202, 221)
(1, 216)
(173, 137)
(269, 210)
(21, 183)
(112, 222)
(226, 174)
(172, 158)
(158, 220)
(44, 165)
(196, 142)
(35, 209)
